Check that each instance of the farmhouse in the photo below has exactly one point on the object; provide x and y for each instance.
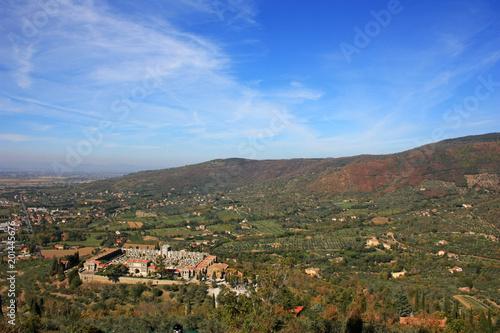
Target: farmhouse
(398, 274)
(455, 269)
(312, 271)
(372, 242)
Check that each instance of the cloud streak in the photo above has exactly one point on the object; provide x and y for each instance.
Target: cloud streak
(14, 137)
(171, 74)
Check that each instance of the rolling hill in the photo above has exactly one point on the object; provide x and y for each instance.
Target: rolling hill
(466, 161)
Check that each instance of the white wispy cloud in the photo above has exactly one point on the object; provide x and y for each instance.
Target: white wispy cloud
(22, 76)
(55, 107)
(237, 13)
(298, 94)
(160, 76)
(162, 83)
(15, 137)
(37, 126)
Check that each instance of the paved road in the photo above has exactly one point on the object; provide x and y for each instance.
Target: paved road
(30, 228)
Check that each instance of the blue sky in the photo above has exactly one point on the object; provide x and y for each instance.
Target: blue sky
(168, 83)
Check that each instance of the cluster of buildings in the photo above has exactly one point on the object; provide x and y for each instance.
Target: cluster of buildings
(4, 201)
(147, 262)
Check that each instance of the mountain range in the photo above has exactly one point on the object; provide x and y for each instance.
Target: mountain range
(466, 161)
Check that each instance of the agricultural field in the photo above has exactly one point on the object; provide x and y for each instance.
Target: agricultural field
(89, 242)
(220, 228)
(228, 216)
(300, 242)
(471, 302)
(47, 254)
(175, 232)
(267, 227)
(135, 225)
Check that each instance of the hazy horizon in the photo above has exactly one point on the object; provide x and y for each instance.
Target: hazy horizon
(120, 169)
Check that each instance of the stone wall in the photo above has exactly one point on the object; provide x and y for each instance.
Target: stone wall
(92, 278)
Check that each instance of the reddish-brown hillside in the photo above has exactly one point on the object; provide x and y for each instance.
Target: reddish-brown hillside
(449, 160)
(412, 168)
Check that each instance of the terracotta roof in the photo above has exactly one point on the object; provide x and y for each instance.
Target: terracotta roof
(219, 266)
(297, 310)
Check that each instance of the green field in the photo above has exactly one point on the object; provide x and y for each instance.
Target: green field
(221, 227)
(267, 227)
(174, 232)
(471, 302)
(227, 216)
(90, 242)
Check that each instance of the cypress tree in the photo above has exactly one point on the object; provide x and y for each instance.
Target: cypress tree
(60, 271)
(74, 279)
(471, 318)
(35, 308)
(483, 323)
(354, 323)
(490, 321)
(436, 306)
(53, 270)
(402, 303)
(454, 314)
(32, 304)
(417, 301)
(446, 305)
